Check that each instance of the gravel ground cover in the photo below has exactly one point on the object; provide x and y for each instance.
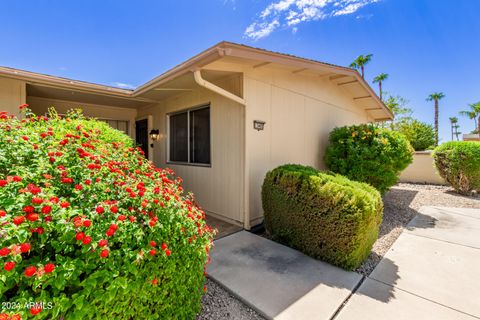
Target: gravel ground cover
(219, 304)
(401, 203)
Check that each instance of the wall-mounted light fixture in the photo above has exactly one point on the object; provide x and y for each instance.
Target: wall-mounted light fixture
(154, 134)
(258, 125)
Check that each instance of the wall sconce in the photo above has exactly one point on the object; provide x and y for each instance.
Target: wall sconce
(258, 125)
(154, 134)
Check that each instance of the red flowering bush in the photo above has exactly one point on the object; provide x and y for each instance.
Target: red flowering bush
(90, 229)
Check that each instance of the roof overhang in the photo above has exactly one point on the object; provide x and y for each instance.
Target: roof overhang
(347, 78)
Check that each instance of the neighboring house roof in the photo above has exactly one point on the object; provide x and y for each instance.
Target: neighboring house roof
(212, 54)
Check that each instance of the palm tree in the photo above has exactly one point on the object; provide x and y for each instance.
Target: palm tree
(473, 114)
(454, 126)
(436, 96)
(360, 63)
(457, 133)
(380, 79)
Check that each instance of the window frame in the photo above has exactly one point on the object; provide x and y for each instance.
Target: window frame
(188, 111)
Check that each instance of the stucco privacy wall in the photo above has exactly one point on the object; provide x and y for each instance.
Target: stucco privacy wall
(40, 106)
(12, 95)
(422, 170)
(299, 111)
(219, 188)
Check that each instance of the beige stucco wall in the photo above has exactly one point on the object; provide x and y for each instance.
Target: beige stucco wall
(40, 106)
(299, 111)
(12, 95)
(422, 170)
(219, 188)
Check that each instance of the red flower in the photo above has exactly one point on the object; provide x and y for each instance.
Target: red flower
(87, 240)
(153, 243)
(23, 106)
(29, 209)
(30, 271)
(25, 247)
(102, 243)
(17, 178)
(80, 236)
(110, 232)
(9, 265)
(32, 216)
(18, 220)
(65, 204)
(100, 210)
(164, 246)
(37, 200)
(77, 221)
(3, 213)
(4, 252)
(122, 217)
(78, 187)
(54, 200)
(3, 183)
(114, 227)
(40, 230)
(104, 253)
(67, 180)
(87, 223)
(152, 252)
(155, 281)
(36, 309)
(88, 182)
(114, 209)
(46, 209)
(33, 189)
(49, 267)
(168, 252)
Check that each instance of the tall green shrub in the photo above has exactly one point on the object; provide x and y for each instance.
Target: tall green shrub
(420, 135)
(458, 162)
(91, 229)
(325, 216)
(368, 154)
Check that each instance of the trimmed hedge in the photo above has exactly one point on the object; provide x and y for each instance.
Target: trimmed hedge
(90, 229)
(368, 154)
(458, 162)
(325, 216)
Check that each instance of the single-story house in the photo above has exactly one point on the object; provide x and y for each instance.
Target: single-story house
(224, 117)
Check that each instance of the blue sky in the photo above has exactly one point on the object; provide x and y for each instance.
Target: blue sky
(424, 45)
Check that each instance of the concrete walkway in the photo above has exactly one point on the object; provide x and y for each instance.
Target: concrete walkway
(279, 282)
(431, 272)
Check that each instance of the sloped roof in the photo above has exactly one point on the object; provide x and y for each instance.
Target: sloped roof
(207, 56)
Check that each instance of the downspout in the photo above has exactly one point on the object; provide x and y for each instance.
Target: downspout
(210, 86)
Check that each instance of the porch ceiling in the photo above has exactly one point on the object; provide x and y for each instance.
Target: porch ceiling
(183, 83)
(43, 91)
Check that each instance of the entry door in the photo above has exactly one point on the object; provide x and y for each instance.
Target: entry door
(141, 135)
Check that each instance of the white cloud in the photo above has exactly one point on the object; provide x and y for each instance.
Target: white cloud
(123, 85)
(289, 13)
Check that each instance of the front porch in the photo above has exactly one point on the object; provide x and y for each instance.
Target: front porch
(223, 228)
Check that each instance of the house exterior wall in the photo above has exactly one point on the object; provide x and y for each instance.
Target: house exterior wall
(12, 95)
(40, 106)
(299, 111)
(219, 188)
(421, 170)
